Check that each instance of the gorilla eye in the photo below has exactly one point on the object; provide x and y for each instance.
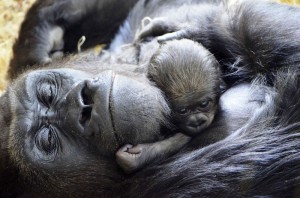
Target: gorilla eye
(47, 93)
(46, 140)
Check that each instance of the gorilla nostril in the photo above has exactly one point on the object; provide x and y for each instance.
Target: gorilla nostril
(200, 122)
(197, 123)
(86, 96)
(85, 115)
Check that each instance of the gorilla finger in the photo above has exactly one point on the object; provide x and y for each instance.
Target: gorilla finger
(157, 26)
(170, 36)
(146, 21)
(135, 150)
(122, 155)
(45, 60)
(125, 148)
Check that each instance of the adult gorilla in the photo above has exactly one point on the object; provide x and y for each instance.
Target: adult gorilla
(62, 123)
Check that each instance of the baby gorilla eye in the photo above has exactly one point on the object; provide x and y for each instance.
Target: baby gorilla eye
(46, 141)
(204, 103)
(183, 111)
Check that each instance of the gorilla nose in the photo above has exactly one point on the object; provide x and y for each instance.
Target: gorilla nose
(87, 102)
(85, 116)
(79, 105)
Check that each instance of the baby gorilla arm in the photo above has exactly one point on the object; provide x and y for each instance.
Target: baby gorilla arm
(131, 158)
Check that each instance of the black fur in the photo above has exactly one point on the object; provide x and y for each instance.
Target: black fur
(255, 42)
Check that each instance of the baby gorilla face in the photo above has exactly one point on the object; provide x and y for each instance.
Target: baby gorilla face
(194, 117)
(190, 77)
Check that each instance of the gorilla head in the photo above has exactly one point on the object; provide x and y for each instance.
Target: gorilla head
(59, 122)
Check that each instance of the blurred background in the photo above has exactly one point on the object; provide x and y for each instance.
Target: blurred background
(12, 13)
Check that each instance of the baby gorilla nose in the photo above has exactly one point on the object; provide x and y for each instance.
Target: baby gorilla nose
(196, 122)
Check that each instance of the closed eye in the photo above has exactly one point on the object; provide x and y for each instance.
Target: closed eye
(47, 140)
(47, 92)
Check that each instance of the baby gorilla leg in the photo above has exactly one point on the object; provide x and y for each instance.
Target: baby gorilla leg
(131, 158)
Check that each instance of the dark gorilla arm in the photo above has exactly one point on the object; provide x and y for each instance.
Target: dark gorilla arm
(53, 26)
(238, 35)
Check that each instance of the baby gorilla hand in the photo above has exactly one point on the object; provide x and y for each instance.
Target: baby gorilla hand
(130, 158)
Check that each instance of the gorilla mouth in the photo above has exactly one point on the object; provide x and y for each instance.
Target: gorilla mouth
(126, 111)
(102, 123)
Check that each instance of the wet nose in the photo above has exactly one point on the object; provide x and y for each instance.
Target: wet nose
(79, 105)
(195, 123)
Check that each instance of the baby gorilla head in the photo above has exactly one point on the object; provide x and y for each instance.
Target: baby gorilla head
(190, 77)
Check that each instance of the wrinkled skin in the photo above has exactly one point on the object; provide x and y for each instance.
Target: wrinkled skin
(72, 118)
(49, 149)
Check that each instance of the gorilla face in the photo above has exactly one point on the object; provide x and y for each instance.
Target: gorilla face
(65, 117)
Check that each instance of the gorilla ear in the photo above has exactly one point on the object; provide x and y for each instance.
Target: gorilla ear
(5, 120)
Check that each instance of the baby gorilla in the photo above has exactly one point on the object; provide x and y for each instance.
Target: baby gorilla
(190, 77)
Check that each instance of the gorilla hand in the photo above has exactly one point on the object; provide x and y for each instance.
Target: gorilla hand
(52, 27)
(197, 20)
(164, 28)
(131, 158)
(41, 34)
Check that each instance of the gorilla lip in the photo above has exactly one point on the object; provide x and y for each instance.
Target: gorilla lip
(110, 107)
(102, 120)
